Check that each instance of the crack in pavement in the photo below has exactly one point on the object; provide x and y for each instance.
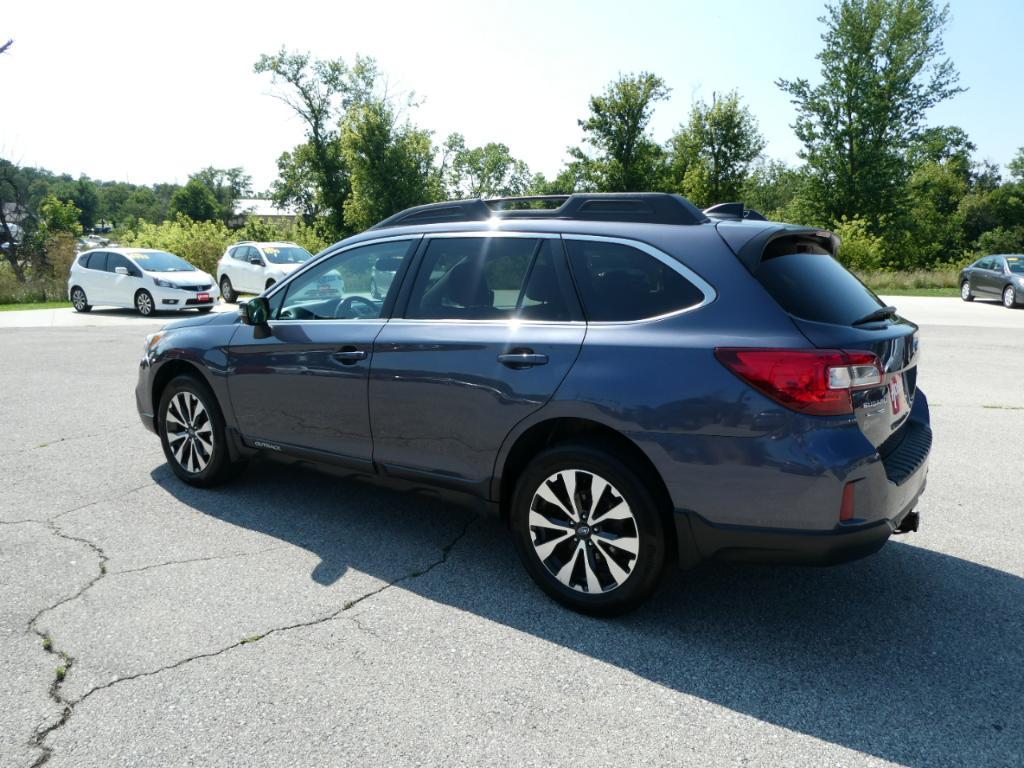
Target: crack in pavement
(57, 441)
(348, 605)
(116, 497)
(228, 556)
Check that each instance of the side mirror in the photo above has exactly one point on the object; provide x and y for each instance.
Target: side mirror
(256, 260)
(255, 311)
(122, 270)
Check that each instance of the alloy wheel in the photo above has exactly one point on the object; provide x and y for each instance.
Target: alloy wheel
(78, 299)
(1009, 297)
(144, 303)
(583, 531)
(189, 432)
(965, 291)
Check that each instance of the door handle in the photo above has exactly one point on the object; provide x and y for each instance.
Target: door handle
(522, 359)
(349, 355)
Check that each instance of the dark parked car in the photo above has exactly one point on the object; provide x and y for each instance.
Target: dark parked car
(628, 381)
(994, 277)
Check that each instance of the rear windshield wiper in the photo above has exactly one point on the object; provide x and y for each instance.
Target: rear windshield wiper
(882, 313)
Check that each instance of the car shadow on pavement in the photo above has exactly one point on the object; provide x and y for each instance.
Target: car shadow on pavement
(910, 655)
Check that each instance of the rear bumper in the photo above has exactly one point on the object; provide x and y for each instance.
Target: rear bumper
(892, 492)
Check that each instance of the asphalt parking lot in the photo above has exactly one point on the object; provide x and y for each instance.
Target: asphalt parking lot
(296, 619)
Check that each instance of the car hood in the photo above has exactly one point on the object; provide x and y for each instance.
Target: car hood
(183, 278)
(214, 318)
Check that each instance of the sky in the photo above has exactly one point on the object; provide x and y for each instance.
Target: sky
(145, 92)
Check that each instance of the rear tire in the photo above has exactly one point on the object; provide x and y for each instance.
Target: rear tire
(227, 290)
(602, 555)
(144, 303)
(192, 432)
(1009, 297)
(965, 291)
(79, 300)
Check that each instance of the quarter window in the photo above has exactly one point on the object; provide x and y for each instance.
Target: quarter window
(620, 283)
(98, 261)
(490, 278)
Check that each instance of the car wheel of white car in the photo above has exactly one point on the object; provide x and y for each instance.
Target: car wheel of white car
(227, 290)
(144, 303)
(270, 284)
(79, 301)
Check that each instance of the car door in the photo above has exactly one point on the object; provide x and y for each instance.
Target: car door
(489, 328)
(302, 388)
(986, 277)
(97, 287)
(123, 286)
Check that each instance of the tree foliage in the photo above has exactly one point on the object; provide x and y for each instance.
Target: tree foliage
(196, 201)
(711, 155)
(486, 171)
(883, 67)
(621, 155)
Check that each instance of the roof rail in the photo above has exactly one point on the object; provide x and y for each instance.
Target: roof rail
(733, 211)
(640, 207)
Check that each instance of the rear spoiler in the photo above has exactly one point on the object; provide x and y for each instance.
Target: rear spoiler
(749, 243)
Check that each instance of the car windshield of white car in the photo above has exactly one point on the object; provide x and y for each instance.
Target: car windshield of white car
(160, 261)
(288, 254)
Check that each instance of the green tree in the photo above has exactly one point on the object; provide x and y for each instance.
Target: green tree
(390, 162)
(1016, 166)
(882, 68)
(487, 171)
(227, 186)
(196, 201)
(711, 155)
(621, 155)
(297, 183)
(770, 187)
(319, 91)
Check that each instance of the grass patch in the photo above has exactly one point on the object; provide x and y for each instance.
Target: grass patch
(47, 643)
(941, 292)
(61, 674)
(34, 305)
(251, 639)
(911, 280)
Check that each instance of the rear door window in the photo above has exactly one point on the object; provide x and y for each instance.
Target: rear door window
(620, 283)
(814, 286)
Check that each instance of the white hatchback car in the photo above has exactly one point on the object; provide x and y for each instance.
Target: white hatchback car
(249, 267)
(140, 278)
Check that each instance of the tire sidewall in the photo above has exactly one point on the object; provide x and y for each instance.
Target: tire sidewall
(1013, 297)
(650, 527)
(965, 291)
(229, 292)
(216, 471)
(152, 306)
(85, 299)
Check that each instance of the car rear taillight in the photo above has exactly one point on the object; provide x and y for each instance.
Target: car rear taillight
(818, 382)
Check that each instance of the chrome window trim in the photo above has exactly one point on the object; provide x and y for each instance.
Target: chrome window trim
(709, 292)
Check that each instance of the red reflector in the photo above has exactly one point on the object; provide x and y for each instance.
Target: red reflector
(847, 507)
(797, 378)
(202, 297)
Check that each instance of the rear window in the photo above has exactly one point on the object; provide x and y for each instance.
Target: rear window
(619, 283)
(814, 286)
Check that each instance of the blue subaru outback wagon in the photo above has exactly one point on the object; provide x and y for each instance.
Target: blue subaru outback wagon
(630, 381)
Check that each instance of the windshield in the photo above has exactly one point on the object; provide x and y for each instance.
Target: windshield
(286, 254)
(160, 261)
(1016, 264)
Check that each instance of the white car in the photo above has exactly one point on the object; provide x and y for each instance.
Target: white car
(140, 278)
(250, 267)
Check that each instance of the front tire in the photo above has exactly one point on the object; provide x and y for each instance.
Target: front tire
(227, 290)
(965, 291)
(1009, 297)
(144, 303)
(79, 300)
(192, 432)
(588, 530)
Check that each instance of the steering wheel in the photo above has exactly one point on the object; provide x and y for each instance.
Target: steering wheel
(346, 309)
(296, 313)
